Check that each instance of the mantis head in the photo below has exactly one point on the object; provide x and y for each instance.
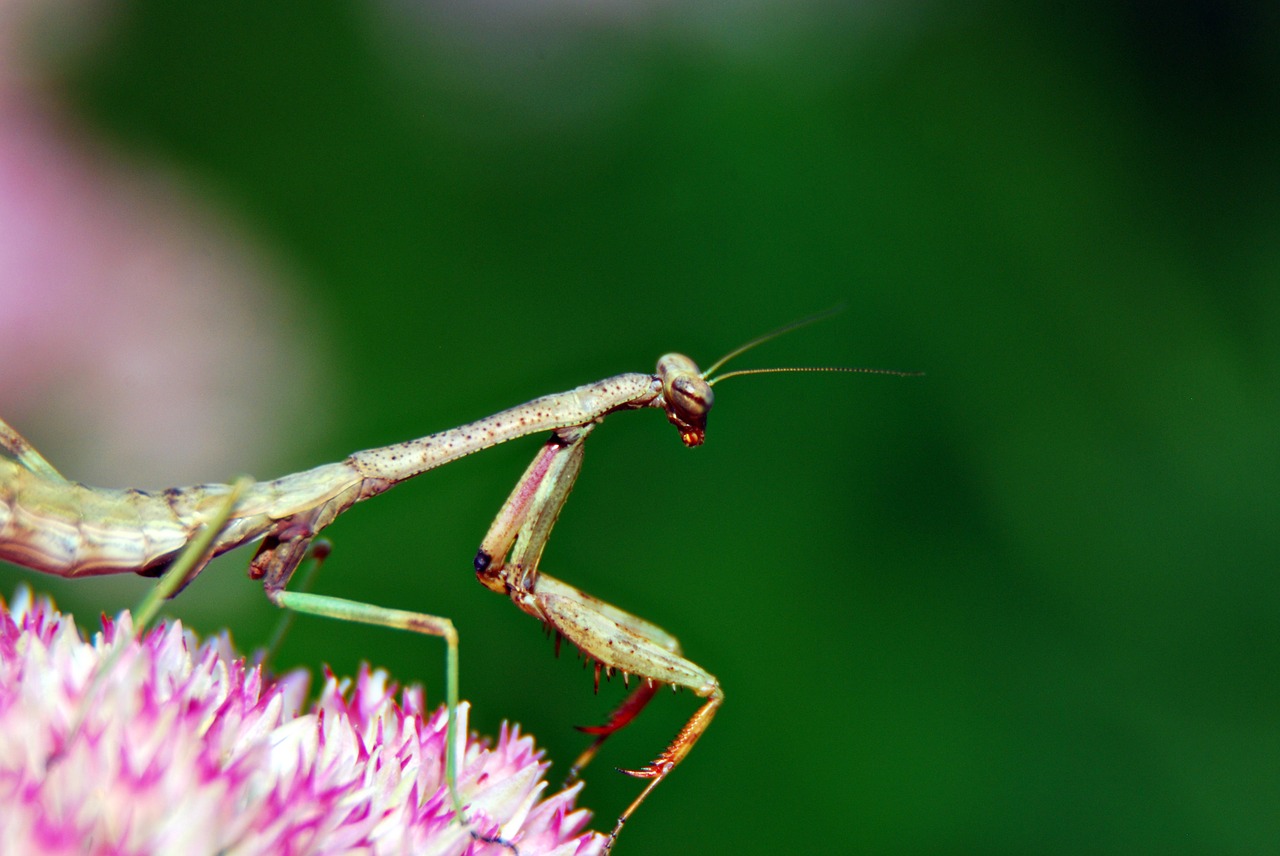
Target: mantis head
(686, 397)
(686, 391)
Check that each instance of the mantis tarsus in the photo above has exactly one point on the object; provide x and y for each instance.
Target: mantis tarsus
(51, 524)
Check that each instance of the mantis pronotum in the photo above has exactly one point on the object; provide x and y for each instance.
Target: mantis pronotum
(50, 524)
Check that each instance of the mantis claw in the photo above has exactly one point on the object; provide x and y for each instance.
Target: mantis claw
(648, 771)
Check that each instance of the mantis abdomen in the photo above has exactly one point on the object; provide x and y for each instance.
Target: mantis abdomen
(73, 530)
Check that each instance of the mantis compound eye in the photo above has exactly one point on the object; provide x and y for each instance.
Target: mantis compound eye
(692, 398)
(687, 397)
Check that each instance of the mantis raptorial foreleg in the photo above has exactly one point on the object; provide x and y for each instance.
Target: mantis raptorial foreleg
(615, 640)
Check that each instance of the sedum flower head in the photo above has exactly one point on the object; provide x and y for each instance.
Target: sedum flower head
(165, 745)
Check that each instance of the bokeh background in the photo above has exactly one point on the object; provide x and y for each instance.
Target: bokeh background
(1025, 604)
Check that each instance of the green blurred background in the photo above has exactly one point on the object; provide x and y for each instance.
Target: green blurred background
(1025, 604)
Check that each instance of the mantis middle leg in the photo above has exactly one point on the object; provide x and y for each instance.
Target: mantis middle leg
(275, 564)
(615, 640)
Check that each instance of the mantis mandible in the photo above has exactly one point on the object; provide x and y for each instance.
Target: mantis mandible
(51, 524)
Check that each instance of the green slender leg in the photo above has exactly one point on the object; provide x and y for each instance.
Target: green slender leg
(416, 622)
(284, 549)
(190, 561)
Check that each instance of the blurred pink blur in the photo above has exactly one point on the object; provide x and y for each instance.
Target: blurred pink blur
(144, 340)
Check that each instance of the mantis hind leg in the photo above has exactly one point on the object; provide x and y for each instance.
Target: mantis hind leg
(194, 556)
(191, 560)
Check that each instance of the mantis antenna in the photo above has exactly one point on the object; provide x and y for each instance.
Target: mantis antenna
(773, 334)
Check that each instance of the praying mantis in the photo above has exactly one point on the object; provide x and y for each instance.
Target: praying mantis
(53, 525)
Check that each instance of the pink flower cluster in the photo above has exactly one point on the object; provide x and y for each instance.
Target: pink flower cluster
(165, 745)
